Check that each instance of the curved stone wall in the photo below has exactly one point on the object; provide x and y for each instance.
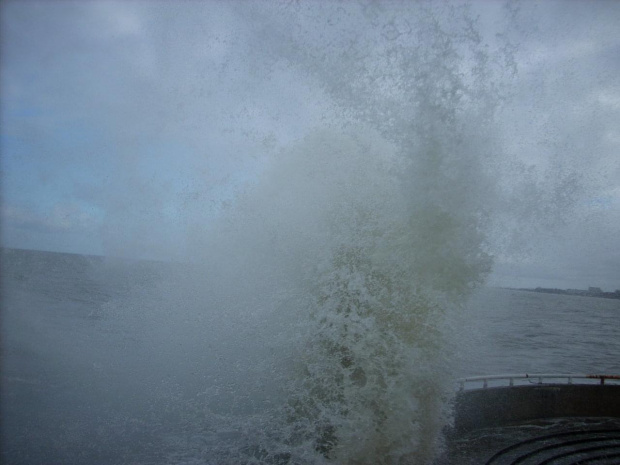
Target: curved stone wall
(500, 406)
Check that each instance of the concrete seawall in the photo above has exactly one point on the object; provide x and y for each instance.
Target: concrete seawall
(499, 406)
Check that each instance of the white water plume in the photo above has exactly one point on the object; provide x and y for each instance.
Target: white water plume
(342, 261)
(341, 264)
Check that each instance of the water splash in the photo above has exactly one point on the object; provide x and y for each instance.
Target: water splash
(335, 272)
(354, 275)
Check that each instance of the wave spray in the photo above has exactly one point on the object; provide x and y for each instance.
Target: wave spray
(328, 283)
(331, 277)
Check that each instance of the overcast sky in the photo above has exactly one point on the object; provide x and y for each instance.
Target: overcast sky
(126, 125)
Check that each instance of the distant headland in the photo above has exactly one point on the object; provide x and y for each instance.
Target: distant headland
(590, 292)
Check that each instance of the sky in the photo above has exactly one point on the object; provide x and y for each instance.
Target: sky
(127, 126)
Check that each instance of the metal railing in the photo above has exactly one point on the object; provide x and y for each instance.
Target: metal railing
(483, 382)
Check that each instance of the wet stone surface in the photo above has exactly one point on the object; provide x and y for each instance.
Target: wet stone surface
(559, 441)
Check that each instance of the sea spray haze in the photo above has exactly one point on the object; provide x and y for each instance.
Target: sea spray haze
(318, 319)
(337, 270)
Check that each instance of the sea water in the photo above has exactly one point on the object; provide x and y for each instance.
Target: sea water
(91, 375)
(529, 332)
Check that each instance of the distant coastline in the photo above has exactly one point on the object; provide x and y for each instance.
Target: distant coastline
(590, 292)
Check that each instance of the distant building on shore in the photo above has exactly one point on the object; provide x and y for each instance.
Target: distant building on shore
(591, 292)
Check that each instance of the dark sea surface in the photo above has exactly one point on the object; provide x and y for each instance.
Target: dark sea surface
(95, 371)
(529, 332)
(81, 383)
